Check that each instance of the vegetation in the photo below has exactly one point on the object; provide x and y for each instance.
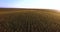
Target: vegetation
(33, 20)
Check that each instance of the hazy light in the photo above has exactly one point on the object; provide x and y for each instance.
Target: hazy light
(47, 4)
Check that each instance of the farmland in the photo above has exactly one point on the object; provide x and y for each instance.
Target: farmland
(29, 20)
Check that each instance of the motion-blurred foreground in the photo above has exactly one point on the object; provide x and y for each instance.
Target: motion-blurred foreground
(29, 20)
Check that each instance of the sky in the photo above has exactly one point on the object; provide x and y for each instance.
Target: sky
(46, 4)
